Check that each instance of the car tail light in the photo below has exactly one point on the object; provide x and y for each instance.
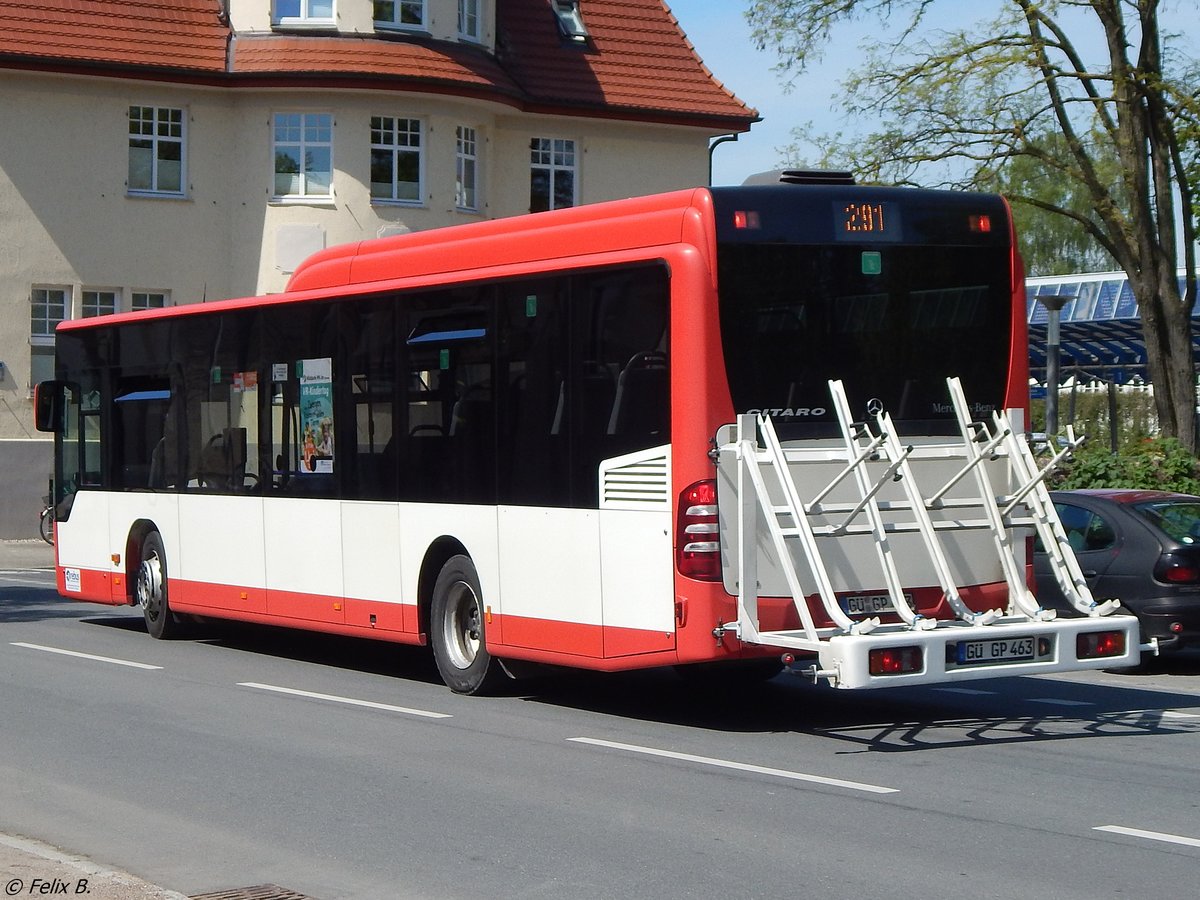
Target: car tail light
(1172, 569)
(696, 534)
(1099, 644)
(895, 660)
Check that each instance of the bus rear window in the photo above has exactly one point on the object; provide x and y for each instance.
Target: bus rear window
(890, 321)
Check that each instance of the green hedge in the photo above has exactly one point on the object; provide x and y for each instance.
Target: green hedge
(1156, 463)
(1142, 460)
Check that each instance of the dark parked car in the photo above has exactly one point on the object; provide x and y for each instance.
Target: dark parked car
(1142, 547)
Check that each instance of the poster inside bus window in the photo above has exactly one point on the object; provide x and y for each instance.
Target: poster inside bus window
(316, 415)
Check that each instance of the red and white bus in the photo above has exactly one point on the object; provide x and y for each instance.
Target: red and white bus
(505, 440)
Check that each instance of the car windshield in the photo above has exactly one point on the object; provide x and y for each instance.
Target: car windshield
(1179, 519)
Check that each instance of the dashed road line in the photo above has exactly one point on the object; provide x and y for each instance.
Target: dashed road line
(75, 653)
(1160, 836)
(1054, 701)
(739, 766)
(349, 701)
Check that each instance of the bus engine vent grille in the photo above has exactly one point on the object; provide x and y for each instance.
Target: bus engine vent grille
(637, 481)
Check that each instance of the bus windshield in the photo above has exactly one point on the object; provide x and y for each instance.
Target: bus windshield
(891, 318)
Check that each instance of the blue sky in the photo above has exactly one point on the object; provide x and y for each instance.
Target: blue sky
(718, 30)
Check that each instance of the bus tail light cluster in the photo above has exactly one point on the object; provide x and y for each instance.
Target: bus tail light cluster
(699, 546)
(1100, 644)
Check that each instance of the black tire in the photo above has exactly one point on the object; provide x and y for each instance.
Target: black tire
(150, 590)
(47, 525)
(456, 626)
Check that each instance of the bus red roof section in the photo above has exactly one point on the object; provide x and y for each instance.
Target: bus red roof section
(481, 249)
(642, 222)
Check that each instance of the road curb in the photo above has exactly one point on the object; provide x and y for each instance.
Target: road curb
(30, 867)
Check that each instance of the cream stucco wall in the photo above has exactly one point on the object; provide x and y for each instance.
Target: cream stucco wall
(67, 220)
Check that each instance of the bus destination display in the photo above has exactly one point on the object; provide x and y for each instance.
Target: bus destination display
(865, 220)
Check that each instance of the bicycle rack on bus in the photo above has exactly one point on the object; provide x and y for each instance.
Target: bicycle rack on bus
(876, 492)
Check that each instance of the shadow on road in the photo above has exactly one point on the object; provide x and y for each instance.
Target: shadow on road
(901, 719)
(979, 713)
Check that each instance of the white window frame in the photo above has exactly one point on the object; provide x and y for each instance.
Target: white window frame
(470, 11)
(164, 131)
(46, 338)
(397, 22)
(89, 305)
(549, 155)
(135, 304)
(306, 16)
(466, 157)
(305, 142)
(400, 133)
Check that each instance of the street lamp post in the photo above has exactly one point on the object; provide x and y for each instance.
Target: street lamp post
(1054, 304)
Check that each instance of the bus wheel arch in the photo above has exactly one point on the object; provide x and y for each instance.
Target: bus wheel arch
(436, 557)
(457, 629)
(133, 556)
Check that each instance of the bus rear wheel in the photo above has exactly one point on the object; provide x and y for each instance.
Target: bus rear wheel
(150, 590)
(457, 630)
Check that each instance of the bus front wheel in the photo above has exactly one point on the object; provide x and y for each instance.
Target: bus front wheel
(150, 589)
(457, 630)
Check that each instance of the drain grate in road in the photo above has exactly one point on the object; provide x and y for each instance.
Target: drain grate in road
(257, 892)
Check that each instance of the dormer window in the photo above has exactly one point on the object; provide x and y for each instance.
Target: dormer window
(302, 12)
(400, 13)
(570, 20)
(468, 20)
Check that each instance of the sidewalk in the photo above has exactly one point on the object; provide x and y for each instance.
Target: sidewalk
(29, 868)
(31, 554)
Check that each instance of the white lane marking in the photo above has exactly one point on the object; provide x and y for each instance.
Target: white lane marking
(742, 767)
(1051, 701)
(1150, 835)
(10, 579)
(370, 704)
(1161, 713)
(92, 656)
(971, 692)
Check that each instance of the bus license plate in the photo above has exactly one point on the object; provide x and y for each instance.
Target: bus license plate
(977, 653)
(868, 604)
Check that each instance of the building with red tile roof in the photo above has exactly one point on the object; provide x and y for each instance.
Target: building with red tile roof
(175, 151)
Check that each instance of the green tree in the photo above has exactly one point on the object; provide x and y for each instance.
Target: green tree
(969, 107)
(1052, 244)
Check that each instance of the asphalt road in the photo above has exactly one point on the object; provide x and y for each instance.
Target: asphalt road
(343, 769)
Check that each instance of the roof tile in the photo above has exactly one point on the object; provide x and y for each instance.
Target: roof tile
(637, 64)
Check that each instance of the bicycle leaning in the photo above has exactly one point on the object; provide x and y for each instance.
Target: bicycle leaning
(47, 523)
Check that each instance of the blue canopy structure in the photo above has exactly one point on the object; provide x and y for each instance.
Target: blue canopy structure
(1100, 331)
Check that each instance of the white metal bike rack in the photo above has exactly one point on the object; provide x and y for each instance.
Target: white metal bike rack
(902, 499)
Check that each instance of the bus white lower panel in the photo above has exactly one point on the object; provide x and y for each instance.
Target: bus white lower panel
(217, 553)
(540, 584)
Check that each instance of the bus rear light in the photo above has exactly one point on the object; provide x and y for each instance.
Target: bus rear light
(980, 224)
(746, 219)
(895, 660)
(1100, 644)
(697, 532)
